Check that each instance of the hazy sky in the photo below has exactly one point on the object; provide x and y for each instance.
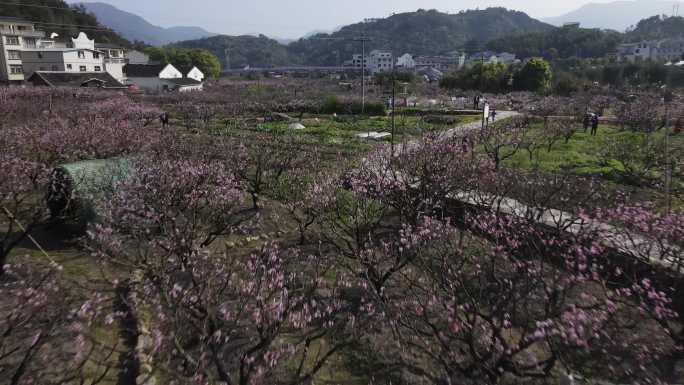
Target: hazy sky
(294, 18)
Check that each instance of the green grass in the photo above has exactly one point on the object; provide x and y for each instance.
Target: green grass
(340, 134)
(581, 156)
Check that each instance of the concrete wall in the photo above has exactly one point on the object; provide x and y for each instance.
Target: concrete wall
(198, 87)
(116, 70)
(50, 61)
(148, 84)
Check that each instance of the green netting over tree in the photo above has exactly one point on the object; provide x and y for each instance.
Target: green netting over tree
(76, 186)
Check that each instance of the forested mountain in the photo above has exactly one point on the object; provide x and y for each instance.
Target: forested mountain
(616, 15)
(57, 16)
(135, 28)
(586, 43)
(421, 33)
(560, 43)
(657, 27)
(241, 51)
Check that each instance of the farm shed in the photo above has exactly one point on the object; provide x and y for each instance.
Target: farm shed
(75, 187)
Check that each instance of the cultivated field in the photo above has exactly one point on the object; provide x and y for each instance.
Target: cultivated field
(262, 238)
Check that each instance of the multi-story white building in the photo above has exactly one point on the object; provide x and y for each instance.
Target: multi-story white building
(79, 55)
(406, 61)
(490, 57)
(160, 78)
(381, 61)
(359, 61)
(16, 35)
(376, 61)
(441, 63)
(192, 72)
(25, 50)
(114, 60)
(660, 50)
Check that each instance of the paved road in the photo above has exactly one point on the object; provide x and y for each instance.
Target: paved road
(501, 115)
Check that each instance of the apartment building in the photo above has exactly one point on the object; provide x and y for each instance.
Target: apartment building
(25, 50)
(16, 35)
(659, 50)
(78, 55)
(441, 63)
(376, 61)
(114, 60)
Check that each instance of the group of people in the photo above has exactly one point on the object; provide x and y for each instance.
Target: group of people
(591, 119)
(479, 102)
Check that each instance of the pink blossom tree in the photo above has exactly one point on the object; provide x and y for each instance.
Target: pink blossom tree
(501, 141)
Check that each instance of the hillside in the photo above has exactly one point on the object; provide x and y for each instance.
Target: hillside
(60, 18)
(135, 28)
(255, 51)
(560, 43)
(586, 43)
(421, 33)
(657, 27)
(617, 15)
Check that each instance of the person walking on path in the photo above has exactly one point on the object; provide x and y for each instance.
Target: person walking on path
(594, 125)
(492, 112)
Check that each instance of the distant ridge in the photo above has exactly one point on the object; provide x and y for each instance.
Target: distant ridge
(617, 15)
(135, 28)
(424, 32)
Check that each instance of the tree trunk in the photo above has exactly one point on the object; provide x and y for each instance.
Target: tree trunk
(129, 362)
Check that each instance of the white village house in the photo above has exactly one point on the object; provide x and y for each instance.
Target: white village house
(192, 72)
(79, 56)
(406, 61)
(80, 61)
(659, 50)
(159, 78)
(374, 62)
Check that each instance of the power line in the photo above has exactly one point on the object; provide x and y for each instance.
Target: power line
(89, 27)
(34, 6)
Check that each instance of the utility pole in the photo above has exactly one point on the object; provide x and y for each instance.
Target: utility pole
(363, 75)
(363, 39)
(394, 96)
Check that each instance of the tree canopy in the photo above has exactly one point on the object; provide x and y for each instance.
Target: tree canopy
(535, 75)
(58, 16)
(186, 57)
(485, 77)
(559, 43)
